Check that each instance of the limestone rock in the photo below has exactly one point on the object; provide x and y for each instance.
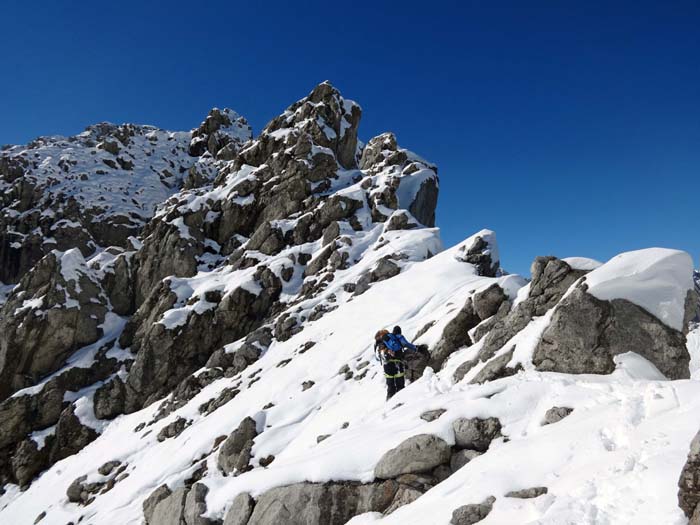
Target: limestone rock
(533, 492)
(585, 334)
(476, 433)
(321, 504)
(419, 453)
(556, 414)
(474, 513)
(234, 453)
(240, 510)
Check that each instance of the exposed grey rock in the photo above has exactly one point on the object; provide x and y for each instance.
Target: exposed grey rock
(419, 453)
(170, 510)
(71, 435)
(556, 414)
(149, 504)
(689, 481)
(234, 453)
(109, 398)
(487, 302)
(173, 429)
(496, 368)
(65, 316)
(533, 492)
(455, 334)
(476, 433)
(28, 461)
(474, 513)
(479, 255)
(107, 468)
(432, 415)
(195, 506)
(75, 490)
(240, 510)
(462, 457)
(321, 504)
(585, 334)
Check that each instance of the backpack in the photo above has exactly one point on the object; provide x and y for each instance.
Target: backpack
(392, 342)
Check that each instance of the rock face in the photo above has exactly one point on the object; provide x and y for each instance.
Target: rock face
(585, 334)
(321, 504)
(240, 510)
(56, 309)
(234, 454)
(93, 189)
(475, 433)
(689, 483)
(417, 454)
(474, 513)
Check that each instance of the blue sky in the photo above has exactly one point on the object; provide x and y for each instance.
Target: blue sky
(570, 128)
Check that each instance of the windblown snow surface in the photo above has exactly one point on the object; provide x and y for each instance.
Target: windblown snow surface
(615, 459)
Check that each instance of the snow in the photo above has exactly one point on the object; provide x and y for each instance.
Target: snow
(39, 436)
(657, 279)
(582, 263)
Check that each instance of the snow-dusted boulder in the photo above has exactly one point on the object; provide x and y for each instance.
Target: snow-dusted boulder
(420, 453)
(58, 307)
(634, 303)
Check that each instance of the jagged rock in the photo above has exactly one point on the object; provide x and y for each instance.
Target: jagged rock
(107, 468)
(689, 482)
(496, 368)
(173, 429)
(476, 433)
(585, 334)
(432, 415)
(47, 318)
(556, 414)
(240, 510)
(419, 453)
(402, 220)
(321, 504)
(221, 128)
(474, 513)
(479, 253)
(150, 503)
(165, 357)
(533, 492)
(109, 399)
(551, 278)
(28, 461)
(455, 334)
(487, 302)
(462, 457)
(196, 505)
(40, 517)
(71, 435)
(234, 453)
(75, 490)
(169, 510)
(404, 496)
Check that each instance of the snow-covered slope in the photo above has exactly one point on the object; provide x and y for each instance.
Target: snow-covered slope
(225, 370)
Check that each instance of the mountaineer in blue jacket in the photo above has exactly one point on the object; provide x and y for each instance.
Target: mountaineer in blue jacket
(388, 348)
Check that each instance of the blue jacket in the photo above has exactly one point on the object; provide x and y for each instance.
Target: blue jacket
(397, 342)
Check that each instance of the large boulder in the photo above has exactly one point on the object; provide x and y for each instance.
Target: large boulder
(476, 433)
(689, 483)
(56, 308)
(586, 333)
(321, 504)
(234, 453)
(240, 510)
(420, 453)
(473, 513)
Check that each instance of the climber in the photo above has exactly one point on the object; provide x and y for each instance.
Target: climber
(388, 348)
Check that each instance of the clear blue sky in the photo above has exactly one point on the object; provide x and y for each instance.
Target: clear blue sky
(570, 128)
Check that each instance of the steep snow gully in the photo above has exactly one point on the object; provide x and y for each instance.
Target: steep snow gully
(186, 338)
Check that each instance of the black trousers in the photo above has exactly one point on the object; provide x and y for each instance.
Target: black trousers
(394, 374)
